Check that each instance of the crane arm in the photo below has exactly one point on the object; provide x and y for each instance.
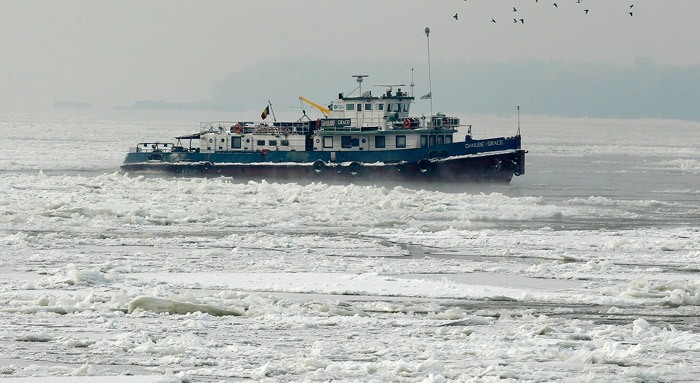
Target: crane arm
(323, 110)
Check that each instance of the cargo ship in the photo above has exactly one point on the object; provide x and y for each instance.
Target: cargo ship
(360, 136)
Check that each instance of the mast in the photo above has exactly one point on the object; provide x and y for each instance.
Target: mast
(359, 78)
(430, 81)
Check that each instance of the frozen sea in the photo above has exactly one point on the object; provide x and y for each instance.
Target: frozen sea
(584, 269)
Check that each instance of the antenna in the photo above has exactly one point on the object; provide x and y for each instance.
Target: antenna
(430, 81)
(412, 83)
(359, 78)
(518, 120)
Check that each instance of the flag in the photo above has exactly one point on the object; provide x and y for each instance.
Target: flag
(427, 96)
(265, 112)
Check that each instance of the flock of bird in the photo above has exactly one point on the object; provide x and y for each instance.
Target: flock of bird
(555, 5)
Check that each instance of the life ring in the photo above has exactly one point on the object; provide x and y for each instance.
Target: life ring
(406, 123)
(355, 169)
(237, 129)
(319, 167)
(425, 167)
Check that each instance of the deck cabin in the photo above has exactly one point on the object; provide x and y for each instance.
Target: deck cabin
(380, 123)
(352, 123)
(367, 111)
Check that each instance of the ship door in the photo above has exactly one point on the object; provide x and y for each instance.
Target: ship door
(360, 115)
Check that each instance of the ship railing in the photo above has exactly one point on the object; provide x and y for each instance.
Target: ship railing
(297, 127)
(342, 129)
(255, 127)
(230, 126)
(156, 147)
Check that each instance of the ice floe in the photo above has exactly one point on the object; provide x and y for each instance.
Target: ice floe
(585, 269)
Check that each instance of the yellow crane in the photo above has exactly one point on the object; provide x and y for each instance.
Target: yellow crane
(323, 110)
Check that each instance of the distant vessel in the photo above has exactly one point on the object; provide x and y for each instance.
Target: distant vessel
(359, 137)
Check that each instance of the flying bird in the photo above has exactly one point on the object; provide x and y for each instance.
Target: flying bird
(631, 14)
(456, 17)
(493, 20)
(586, 11)
(555, 5)
(514, 10)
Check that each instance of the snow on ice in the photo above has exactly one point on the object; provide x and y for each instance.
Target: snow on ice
(579, 271)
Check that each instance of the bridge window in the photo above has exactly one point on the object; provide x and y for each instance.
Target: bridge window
(423, 141)
(380, 142)
(448, 139)
(328, 142)
(349, 106)
(272, 143)
(440, 139)
(260, 142)
(284, 143)
(235, 142)
(380, 106)
(432, 141)
(359, 107)
(400, 141)
(368, 106)
(345, 142)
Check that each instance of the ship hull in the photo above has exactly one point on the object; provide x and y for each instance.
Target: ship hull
(495, 167)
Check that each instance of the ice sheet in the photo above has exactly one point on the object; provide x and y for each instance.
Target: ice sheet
(584, 269)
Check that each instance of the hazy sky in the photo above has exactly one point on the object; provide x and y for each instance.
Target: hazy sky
(114, 52)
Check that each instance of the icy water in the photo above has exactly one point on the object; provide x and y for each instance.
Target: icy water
(584, 269)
